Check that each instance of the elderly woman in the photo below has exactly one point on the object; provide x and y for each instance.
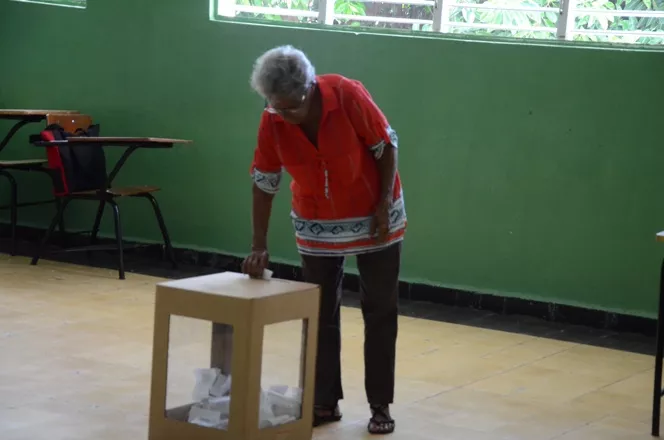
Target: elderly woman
(336, 144)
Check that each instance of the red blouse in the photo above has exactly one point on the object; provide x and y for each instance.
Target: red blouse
(335, 186)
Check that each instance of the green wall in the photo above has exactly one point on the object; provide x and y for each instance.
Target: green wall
(529, 170)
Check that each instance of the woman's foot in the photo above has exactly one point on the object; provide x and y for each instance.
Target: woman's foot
(380, 422)
(326, 414)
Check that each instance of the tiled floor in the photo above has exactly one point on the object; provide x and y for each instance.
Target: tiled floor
(75, 350)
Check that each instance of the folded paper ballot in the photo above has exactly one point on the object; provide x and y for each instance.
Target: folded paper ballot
(205, 379)
(221, 386)
(285, 402)
(212, 395)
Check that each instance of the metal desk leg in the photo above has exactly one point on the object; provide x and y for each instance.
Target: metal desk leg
(56, 220)
(13, 202)
(20, 124)
(118, 166)
(118, 238)
(13, 206)
(659, 354)
(54, 176)
(164, 231)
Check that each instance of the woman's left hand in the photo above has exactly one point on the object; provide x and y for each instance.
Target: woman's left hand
(380, 224)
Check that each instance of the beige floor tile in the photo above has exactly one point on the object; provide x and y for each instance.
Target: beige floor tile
(527, 352)
(541, 384)
(545, 421)
(408, 429)
(611, 365)
(608, 429)
(451, 370)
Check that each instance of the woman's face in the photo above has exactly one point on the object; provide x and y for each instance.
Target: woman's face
(293, 110)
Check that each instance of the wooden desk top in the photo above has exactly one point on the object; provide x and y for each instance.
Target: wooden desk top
(110, 141)
(23, 162)
(116, 140)
(30, 112)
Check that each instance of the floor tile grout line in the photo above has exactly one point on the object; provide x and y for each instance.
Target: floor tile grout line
(616, 381)
(500, 373)
(577, 428)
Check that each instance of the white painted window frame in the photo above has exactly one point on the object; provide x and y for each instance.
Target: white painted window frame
(55, 3)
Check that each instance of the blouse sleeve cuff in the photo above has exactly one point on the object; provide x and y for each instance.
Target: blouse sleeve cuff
(378, 149)
(266, 182)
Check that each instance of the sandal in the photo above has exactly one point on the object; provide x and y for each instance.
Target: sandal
(326, 414)
(380, 422)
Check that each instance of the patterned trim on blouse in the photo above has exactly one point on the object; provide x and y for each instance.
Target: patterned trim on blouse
(267, 182)
(379, 148)
(347, 236)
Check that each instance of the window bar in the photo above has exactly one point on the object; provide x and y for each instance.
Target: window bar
(500, 7)
(566, 18)
(441, 16)
(641, 34)
(326, 11)
(619, 13)
(276, 11)
(381, 19)
(502, 27)
(403, 2)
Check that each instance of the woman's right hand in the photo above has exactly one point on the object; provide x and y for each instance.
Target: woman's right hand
(256, 263)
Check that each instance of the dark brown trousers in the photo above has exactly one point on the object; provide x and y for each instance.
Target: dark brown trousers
(379, 287)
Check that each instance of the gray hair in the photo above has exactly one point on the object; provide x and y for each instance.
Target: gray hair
(282, 71)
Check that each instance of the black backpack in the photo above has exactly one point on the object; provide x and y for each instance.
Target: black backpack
(79, 167)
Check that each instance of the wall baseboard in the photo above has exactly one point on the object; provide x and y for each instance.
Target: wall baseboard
(198, 262)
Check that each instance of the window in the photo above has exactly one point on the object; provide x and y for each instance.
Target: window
(632, 21)
(81, 4)
(616, 21)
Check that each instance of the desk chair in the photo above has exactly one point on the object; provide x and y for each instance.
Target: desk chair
(82, 175)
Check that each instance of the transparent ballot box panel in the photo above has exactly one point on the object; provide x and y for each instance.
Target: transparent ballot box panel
(198, 385)
(199, 380)
(282, 373)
